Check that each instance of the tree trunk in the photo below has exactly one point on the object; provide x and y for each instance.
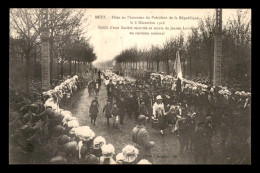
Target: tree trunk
(61, 68)
(190, 66)
(210, 78)
(70, 67)
(27, 84)
(167, 67)
(75, 65)
(158, 63)
(184, 67)
(147, 65)
(35, 69)
(57, 67)
(78, 66)
(51, 62)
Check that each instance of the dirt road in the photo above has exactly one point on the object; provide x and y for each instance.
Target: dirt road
(167, 146)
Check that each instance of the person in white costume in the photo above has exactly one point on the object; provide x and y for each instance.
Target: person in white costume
(159, 113)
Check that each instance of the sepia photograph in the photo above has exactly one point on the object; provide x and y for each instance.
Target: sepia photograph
(130, 86)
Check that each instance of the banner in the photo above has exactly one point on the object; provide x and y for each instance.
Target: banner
(177, 65)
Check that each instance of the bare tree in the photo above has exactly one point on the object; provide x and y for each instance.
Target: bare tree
(206, 28)
(63, 23)
(237, 46)
(23, 25)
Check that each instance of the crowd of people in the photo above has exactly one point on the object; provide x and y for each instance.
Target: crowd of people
(194, 113)
(78, 144)
(163, 102)
(94, 84)
(50, 134)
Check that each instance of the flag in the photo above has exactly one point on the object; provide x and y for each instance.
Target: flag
(177, 65)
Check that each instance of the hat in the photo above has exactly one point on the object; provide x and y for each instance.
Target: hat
(130, 153)
(91, 159)
(108, 150)
(99, 140)
(83, 132)
(159, 97)
(144, 162)
(120, 157)
(141, 118)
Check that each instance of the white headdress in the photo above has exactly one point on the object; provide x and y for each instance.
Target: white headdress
(108, 150)
(99, 140)
(144, 162)
(130, 153)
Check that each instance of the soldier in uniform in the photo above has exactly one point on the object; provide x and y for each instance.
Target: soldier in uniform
(107, 109)
(122, 109)
(140, 138)
(90, 88)
(129, 105)
(110, 89)
(201, 145)
(135, 105)
(183, 131)
(115, 115)
(191, 130)
(142, 110)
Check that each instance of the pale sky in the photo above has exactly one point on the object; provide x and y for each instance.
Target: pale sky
(109, 42)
